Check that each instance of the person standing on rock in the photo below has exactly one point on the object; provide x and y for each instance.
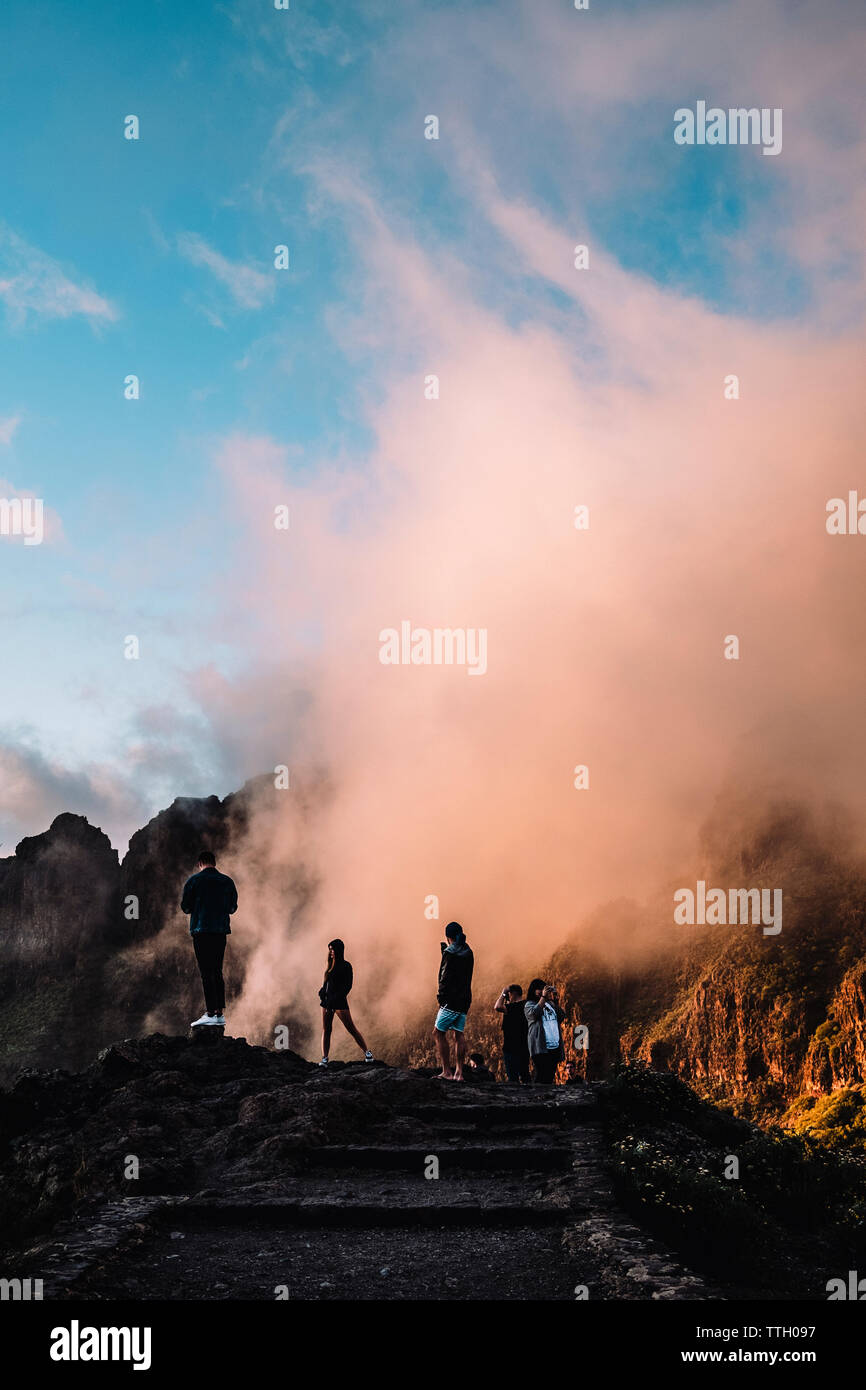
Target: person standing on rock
(454, 998)
(210, 898)
(544, 1017)
(334, 999)
(515, 1048)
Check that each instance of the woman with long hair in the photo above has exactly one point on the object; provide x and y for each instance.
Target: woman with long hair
(544, 1017)
(334, 998)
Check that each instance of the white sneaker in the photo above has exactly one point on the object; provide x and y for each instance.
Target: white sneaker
(220, 1020)
(368, 1056)
(206, 1019)
(324, 1062)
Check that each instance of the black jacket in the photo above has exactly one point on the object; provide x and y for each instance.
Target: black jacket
(515, 1028)
(210, 898)
(455, 976)
(335, 990)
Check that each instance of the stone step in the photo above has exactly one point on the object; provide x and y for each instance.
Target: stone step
(487, 1158)
(507, 1114)
(458, 1263)
(533, 1134)
(398, 1210)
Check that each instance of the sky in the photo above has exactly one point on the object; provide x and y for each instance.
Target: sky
(305, 386)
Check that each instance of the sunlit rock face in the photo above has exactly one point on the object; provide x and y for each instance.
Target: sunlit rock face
(765, 1020)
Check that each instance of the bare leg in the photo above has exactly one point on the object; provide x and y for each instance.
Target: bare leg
(345, 1018)
(444, 1054)
(327, 1025)
(460, 1046)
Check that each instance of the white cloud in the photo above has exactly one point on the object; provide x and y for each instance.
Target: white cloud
(8, 428)
(33, 282)
(248, 287)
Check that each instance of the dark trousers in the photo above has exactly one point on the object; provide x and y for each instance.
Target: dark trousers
(545, 1067)
(210, 947)
(517, 1066)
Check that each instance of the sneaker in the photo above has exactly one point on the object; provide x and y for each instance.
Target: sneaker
(368, 1056)
(324, 1062)
(206, 1019)
(220, 1020)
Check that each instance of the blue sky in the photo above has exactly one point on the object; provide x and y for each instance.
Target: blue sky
(155, 257)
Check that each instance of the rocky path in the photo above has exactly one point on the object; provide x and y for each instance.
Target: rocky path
(453, 1193)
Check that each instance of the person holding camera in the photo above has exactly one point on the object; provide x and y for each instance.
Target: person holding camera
(515, 1050)
(544, 1017)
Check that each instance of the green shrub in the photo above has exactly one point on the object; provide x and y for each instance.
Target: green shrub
(794, 1203)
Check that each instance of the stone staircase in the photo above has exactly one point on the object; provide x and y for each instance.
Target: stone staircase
(497, 1193)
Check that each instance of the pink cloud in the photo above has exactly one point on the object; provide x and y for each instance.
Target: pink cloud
(707, 518)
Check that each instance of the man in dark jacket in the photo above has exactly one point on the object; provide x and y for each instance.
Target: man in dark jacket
(454, 997)
(210, 898)
(515, 1031)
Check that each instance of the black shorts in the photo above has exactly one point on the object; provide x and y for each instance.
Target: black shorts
(335, 1004)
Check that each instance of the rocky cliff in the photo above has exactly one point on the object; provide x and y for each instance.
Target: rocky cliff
(763, 1021)
(77, 923)
(773, 1025)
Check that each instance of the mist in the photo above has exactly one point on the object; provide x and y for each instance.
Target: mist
(605, 646)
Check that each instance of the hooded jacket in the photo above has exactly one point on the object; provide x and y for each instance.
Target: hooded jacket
(455, 976)
(335, 990)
